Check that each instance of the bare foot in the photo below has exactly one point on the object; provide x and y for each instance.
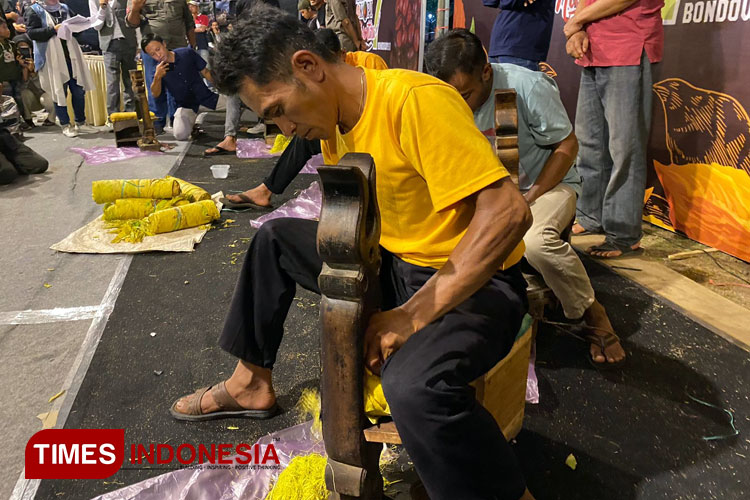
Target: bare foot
(596, 317)
(578, 229)
(609, 254)
(260, 195)
(228, 144)
(250, 385)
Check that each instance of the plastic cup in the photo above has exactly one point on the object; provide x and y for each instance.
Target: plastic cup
(220, 171)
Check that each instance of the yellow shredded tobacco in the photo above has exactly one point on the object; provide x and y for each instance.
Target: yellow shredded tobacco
(111, 190)
(192, 192)
(165, 221)
(138, 208)
(303, 479)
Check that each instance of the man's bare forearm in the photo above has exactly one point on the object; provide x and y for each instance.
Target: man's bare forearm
(500, 220)
(557, 166)
(191, 38)
(599, 9)
(349, 30)
(156, 87)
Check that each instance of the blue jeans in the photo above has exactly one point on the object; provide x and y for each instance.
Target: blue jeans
(613, 119)
(518, 61)
(163, 106)
(77, 97)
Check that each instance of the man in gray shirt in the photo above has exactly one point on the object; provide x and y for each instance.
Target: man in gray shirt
(341, 19)
(173, 22)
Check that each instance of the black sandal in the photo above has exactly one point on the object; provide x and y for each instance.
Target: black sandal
(219, 151)
(608, 246)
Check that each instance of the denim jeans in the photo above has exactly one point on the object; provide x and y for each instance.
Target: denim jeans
(163, 106)
(518, 61)
(118, 61)
(77, 97)
(613, 119)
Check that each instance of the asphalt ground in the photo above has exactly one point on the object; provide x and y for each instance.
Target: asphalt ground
(635, 433)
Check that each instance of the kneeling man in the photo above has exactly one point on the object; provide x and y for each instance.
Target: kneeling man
(547, 177)
(452, 225)
(182, 71)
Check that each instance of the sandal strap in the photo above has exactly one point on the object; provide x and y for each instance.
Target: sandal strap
(609, 338)
(194, 406)
(223, 399)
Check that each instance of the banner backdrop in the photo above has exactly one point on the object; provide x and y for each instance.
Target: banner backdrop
(699, 149)
(393, 30)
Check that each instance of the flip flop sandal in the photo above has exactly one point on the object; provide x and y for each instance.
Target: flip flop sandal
(246, 203)
(609, 338)
(219, 151)
(228, 407)
(608, 246)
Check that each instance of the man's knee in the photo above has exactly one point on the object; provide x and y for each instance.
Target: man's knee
(7, 175)
(29, 161)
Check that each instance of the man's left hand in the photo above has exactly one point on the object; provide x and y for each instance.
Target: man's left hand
(572, 27)
(386, 333)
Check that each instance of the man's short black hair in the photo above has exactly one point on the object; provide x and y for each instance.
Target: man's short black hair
(260, 47)
(328, 37)
(148, 38)
(458, 50)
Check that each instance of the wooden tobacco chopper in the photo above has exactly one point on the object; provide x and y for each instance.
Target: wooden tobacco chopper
(348, 243)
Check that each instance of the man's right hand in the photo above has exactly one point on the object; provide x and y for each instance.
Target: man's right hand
(161, 70)
(57, 26)
(577, 45)
(138, 4)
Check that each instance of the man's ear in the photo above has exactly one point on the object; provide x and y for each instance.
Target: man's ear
(487, 73)
(307, 65)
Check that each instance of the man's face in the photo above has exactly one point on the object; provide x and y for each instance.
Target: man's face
(474, 88)
(193, 9)
(215, 26)
(304, 107)
(316, 3)
(307, 13)
(4, 31)
(157, 50)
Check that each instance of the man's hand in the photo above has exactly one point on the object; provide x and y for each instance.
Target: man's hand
(138, 5)
(386, 333)
(577, 45)
(161, 70)
(572, 27)
(20, 28)
(102, 4)
(362, 45)
(57, 26)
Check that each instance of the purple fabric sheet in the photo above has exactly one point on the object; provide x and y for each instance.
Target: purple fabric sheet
(305, 206)
(253, 148)
(224, 484)
(311, 167)
(106, 154)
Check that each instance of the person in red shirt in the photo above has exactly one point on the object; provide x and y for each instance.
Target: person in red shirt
(201, 29)
(616, 42)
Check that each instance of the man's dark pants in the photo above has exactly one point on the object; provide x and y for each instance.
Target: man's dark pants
(16, 159)
(457, 448)
(290, 163)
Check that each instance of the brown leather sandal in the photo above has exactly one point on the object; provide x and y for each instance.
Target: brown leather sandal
(585, 332)
(228, 407)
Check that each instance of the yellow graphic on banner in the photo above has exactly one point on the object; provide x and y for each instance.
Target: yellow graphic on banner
(703, 126)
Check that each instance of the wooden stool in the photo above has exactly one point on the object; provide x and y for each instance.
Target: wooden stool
(127, 128)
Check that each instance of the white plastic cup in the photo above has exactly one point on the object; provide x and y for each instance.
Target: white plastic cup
(220, 171)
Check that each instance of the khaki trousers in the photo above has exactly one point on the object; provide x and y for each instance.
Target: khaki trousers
(554, 257)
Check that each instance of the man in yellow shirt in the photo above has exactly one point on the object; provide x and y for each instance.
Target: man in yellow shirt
(452, 224)
(299, 150)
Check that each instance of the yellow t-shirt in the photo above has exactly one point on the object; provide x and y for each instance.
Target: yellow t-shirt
(429, 156)
(365, 59)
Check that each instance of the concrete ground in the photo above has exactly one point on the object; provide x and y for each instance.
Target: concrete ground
(41, 352)
(616, 424)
